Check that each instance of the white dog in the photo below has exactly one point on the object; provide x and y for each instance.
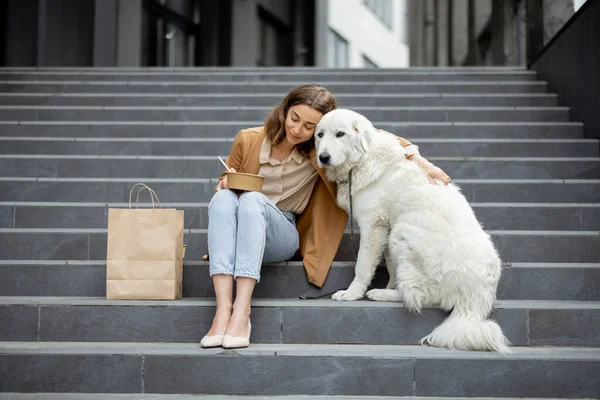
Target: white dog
(438, 252)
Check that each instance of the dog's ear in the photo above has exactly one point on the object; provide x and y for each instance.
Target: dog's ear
(361, 128)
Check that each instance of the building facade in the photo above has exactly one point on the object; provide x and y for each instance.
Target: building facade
(255, 33)
(483, 32)
(164, 33)
(367, 34)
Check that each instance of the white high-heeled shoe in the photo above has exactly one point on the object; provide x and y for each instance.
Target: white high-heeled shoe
(211, 341)
(237, 342)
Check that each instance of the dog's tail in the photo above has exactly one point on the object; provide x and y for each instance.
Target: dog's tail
(461, 331)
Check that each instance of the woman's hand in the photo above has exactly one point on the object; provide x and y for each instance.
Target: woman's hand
(433, 173)
(223, 182)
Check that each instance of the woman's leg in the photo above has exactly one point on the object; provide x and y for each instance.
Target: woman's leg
(240, 315)
(224, 292)
(264, 234)
(222, 232)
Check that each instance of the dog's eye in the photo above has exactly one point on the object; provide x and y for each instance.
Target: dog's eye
(320, 134)
(340, 134)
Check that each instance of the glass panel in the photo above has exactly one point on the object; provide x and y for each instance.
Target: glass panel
(176, 47)
(166, 40)
(337, 51)
(331, 49)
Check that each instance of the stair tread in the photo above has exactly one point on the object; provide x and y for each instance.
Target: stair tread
(80, 80)
(335, 264)
(283, 302)
(296, 350)
(146, 396)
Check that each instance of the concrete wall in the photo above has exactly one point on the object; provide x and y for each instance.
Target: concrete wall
(556, 14)
(571, 66)
(460, 31)
(244, 22)
(105, 33)
(367, 35)
(129, 33)
(321, 17)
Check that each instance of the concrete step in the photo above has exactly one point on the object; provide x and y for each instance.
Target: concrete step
(434, 114)
(90, 244)
(116, 190)
(170, 70)
(274, 369)
(519, 281)
(178, 167)
(228, 129)
(79, 319)
(336, 87)
(218, 146)
(111, 396)
(347, 100)
(272, 76)
(494, 216)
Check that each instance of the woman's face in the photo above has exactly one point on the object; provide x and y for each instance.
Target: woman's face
(300, 123)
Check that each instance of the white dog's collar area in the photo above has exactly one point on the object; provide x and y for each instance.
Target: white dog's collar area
(342, 182)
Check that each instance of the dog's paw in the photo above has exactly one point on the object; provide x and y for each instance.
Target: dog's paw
(375, 295)
(384, 295)
(338, 295)
(345, 295)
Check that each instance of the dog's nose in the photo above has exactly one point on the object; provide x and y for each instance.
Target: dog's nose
(324, 158)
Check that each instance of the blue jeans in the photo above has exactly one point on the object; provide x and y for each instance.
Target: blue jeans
(243, 232)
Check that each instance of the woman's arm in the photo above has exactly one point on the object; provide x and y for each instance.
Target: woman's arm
(433, 172)
(234, 159)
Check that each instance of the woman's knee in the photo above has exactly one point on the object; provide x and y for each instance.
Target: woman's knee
(252, 202)
(224, 201)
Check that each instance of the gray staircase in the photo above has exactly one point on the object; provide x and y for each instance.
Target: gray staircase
(73, 141)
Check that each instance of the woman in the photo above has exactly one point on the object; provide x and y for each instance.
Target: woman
(296, 210)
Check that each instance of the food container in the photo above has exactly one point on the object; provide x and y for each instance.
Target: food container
(245, 182)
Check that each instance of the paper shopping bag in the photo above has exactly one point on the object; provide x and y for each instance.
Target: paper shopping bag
(144, 252)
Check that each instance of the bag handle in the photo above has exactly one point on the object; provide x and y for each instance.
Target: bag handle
(153, 195)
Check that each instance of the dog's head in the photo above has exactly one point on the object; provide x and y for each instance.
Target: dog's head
(342, 138)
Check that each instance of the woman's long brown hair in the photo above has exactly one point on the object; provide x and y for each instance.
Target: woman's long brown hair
(315, 96)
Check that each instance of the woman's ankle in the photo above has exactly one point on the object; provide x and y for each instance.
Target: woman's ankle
(238, 323)
(241, 310)
(220, 322)
(224, 309)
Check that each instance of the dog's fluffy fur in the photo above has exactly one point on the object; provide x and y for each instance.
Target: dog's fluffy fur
(438, 252)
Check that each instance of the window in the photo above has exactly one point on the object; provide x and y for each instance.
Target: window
(168, 35)
(367, 63)
(382, 10)
(273, 42)
(337, 50)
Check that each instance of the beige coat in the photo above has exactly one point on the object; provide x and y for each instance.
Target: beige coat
(321, 226)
